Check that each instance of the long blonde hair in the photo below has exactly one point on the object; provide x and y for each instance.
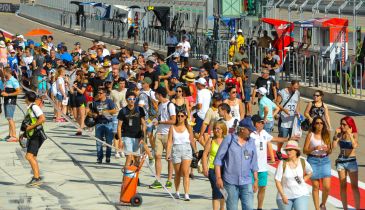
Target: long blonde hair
(59, 71)
(222, 126)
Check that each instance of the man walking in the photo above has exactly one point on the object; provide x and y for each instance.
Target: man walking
(237, 154)
(34, 136)
(131, 127)
(103, 110)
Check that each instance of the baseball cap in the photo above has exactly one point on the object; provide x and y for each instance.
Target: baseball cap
(77, 43)
(147, 80)
(239, 31)
(201, 81)
(247, 123)
(230, 64)
(115, 61)
(262, 91)
(256, 118)
(205, 57)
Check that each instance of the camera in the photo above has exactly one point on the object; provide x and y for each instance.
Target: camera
(25, 123)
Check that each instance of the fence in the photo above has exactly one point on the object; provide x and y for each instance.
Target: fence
(311, 69)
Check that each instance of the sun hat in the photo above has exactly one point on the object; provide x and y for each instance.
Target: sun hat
(262, 91)
(292, 145)
(247, 123)
(190, 77)
(201, 81)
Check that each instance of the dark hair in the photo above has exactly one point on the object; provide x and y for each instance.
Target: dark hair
(186, 119)
(130, 93)
(320, 92)
(225, 106)
(162, 91)
(30, 96)
(230, 88)
(325, 134)
(293, 82)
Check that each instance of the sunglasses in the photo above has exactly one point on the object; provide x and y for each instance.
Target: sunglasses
(233, 92)
(131, 99)
(316, 95)
(179, 91)
(181, 116)
(319, 123)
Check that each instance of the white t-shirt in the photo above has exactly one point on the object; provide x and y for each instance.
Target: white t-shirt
(287, 120)
(36, 110)
(105, 52)
(231, 127)
(28, 60)
(185, 49)
(164, 115)
(204, 97)
(290, 186)
(261, 140)
(60, 81)
(118, 97)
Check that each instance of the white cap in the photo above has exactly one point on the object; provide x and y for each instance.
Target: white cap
(262, 91)
(201, 81)
(100, 43)
(239, 31)
(20, 36)
(205, 57)
(230, 64)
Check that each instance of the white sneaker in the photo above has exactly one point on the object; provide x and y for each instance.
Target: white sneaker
(117, 155)
(177, 195)
(187, 198)
(122, 155)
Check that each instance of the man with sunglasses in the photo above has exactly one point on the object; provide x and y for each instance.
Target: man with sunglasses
(131, 126)
(98, 81)
(103, 110)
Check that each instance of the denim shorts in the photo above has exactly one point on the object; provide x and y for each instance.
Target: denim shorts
(131, 144)
(321, 167)
(349, 164)
(198, 125)
(269, 126)
(216, 193)
(9, 110)
(59, 97)
(247, 92)
(181, 152)
(284, 132)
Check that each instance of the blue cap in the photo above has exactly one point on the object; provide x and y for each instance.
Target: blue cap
(59, 46)
(247, 123)
(37, 44)
(115, 61)
(30, 42)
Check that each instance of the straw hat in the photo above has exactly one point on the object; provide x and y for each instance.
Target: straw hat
(189, 77)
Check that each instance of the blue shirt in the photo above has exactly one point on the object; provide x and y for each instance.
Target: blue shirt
(1, 85)
(174, 69)
(213, 74)
(239, 162)
(266, 102)
(66, 56)
(13, 63)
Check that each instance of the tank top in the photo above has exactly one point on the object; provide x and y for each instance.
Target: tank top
(235, 111)
(180, 138)
(181, 107)
(314, 143)
(316, 111)
(212, 153)
(345, 144)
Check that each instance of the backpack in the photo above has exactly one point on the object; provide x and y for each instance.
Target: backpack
(302, 162)
(152, 110)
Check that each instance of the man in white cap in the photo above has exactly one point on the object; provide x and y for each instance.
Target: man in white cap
(20, 39)
(202, 103)
(105, 50)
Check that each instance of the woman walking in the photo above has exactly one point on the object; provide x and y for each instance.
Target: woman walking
(347, 138)
(179, 149)
(237, 107)
(61, 94)
(79, 100)
(290, 178)
(181, 102)
(317, 108)
(318, 147)
(210, 151)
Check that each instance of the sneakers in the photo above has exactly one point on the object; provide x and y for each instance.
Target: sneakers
(107, 160)
(279, 155)
(99, 161)
(34, 182)
(5, 139)
(12, 139)
(186, 197)
(156, 185)
(117, 155)
(168, 184)
(177, 195)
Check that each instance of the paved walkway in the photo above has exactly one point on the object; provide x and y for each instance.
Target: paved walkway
(74, 181)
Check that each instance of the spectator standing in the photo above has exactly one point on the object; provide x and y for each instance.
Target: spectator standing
(246, 78)
(204, 97)
(224, 111)
(264, 41)
(185, 49)
(152, 74)
(237, 108)
(10, 93)
(213, 75)
(270, 63)
(209, 154)
(236, 42)
(318, 147)
(290, 178)
(173, 65)
(146, 51)
(267, 82)
(317, 108)
(166, 118)
(102, 110)
(288, 102)
(237, 154)
(165, 72)
(267, 109)
(171, 42)
(238, 56)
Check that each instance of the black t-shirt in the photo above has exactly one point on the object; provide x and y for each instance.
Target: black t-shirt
(271, 63)
(96, 83)
(270, 82)
(131, 121)
(154, 77)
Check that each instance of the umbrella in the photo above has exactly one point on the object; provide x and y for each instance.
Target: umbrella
(38, 32)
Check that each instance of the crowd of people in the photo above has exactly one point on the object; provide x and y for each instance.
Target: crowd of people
(146, 102)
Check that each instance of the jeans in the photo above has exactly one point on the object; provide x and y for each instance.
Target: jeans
(284, 132)
(104, 132)
(300, 203)
(242, 192)
(269, 126)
